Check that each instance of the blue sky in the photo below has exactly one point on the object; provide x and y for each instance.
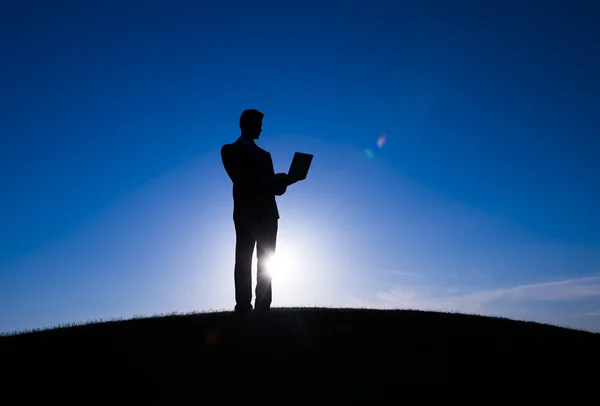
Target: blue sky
(484, 198)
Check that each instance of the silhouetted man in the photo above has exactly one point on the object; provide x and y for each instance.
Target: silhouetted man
(255, 213)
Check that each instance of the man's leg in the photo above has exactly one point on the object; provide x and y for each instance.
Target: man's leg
(244, 248)
(265, 246)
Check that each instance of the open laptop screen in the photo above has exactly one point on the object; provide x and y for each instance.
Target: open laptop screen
(300, 165)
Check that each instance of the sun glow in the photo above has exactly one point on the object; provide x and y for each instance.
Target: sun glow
(279, 266)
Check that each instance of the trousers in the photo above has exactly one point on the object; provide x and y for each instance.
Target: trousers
(250, 233)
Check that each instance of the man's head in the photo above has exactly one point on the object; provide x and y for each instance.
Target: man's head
(251, 123)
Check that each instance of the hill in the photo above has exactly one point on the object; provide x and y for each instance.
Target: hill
(350, 353)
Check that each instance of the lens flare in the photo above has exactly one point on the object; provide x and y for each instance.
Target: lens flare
(370, 152)
(381, 140)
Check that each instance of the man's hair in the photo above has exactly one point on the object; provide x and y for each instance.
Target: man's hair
(250, 117)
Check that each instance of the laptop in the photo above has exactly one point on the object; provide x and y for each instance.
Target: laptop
(300, 165)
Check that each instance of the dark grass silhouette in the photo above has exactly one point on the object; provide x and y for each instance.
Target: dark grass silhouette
(343, 353)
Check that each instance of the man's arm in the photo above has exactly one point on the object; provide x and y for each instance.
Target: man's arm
(232, 163)
(276, 184)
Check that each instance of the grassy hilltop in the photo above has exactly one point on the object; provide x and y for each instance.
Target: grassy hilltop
(349, 353)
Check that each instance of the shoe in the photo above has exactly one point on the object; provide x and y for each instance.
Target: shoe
(243, 309)
(262, 310)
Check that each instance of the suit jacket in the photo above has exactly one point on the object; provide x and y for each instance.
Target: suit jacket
(253, 189)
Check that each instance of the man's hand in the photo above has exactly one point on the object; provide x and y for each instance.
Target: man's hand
(280, 183)
(285, 178)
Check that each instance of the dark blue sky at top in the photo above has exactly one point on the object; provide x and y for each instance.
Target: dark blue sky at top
(493, 104)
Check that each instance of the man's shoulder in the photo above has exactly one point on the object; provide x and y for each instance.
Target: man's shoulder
(264, 151)
(230, 146)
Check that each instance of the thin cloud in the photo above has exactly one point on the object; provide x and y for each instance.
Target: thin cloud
(588, 314)
(401, 273)
(568, 290)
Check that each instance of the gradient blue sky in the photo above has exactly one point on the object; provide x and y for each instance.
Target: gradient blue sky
(484, 199)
